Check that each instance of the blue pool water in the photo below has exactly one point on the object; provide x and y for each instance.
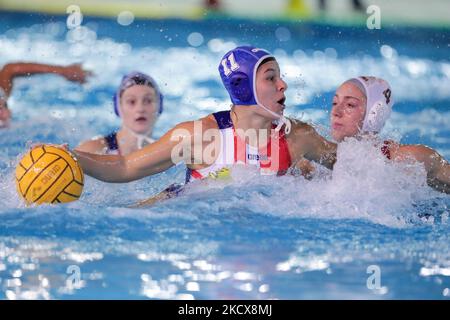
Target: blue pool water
(255, 237)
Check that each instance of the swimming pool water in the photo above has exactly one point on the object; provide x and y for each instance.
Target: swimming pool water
(255, 237)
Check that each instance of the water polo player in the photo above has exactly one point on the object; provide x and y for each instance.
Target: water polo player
(138, 102)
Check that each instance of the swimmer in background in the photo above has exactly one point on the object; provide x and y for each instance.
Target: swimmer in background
(11, 71)
(218, 141)
(361, 107)
(138, 102)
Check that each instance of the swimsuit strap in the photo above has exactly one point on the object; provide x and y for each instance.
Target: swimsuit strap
(111, 141)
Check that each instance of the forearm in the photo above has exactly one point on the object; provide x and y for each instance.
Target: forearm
(437, 168)
(115, 168)
(441, 180)
(108, 168)
(306, 168)
(153, 158)
(322, 152)
(308, 144)
(439, 185)
(328, 158)
(27, 69)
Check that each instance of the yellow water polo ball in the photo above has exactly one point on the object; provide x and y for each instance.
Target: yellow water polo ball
(49, 174)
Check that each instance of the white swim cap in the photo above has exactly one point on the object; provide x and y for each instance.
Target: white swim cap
(379, 102)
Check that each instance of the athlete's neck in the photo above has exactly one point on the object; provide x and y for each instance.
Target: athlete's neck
(248, 124)
(245, 117)
(130, 141)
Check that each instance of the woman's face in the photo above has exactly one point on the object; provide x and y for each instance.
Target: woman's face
(270, 88)
(348, 111)
(139, 107)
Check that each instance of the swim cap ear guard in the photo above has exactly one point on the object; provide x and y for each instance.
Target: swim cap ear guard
(136, 78)
(379, 103)
(240, 87)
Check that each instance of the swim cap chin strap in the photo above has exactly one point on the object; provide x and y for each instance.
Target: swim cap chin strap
(282, 120)
(141, 139)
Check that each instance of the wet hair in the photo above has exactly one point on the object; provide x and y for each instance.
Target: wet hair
(265, 61)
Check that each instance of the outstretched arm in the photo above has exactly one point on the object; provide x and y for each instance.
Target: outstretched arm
(307, 143)
(175, 146)
(306, 168)
(438, 169)
(10, 71)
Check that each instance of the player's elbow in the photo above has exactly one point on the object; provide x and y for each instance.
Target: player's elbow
(12, 69)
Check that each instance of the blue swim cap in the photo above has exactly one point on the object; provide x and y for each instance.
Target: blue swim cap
(238, 72)
(136, 78)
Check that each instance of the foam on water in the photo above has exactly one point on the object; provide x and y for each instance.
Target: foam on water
(360, 166)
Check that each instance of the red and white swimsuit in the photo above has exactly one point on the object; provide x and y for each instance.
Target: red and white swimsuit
(272, 159)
